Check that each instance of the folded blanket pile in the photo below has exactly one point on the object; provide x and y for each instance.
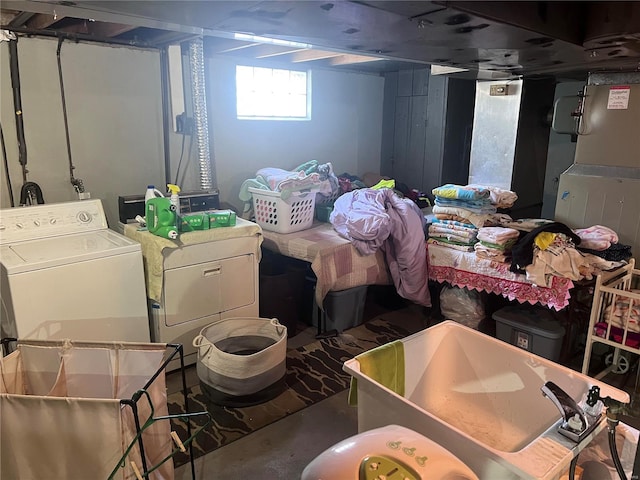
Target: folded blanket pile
(451, 232)
(473, 199)
(495, 243)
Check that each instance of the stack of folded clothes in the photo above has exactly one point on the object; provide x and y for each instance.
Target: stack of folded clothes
(495, 243)
(464, 204)
(499, 197)
(453, 234)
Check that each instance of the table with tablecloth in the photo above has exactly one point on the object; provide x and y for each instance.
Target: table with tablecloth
(467, 270)
(334, 260)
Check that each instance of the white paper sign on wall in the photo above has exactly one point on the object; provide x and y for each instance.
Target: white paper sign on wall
(618, 98)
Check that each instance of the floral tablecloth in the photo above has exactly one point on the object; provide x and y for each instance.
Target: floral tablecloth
(467, 270)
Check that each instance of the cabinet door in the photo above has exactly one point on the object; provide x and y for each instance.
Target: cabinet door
(239, 282)
(197, 291)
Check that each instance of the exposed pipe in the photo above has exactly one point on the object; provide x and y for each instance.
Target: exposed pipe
(17, 104)
(196, 63)
(166, 114)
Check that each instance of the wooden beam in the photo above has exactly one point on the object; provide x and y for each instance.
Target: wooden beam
(266, 51)
(20, 19)
(310, 55)
(109, 30)
(352, 59)
(41, 21)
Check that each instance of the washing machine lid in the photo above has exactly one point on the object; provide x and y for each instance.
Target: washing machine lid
(50, 252)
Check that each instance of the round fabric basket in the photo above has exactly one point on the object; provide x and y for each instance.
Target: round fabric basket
(241, 361)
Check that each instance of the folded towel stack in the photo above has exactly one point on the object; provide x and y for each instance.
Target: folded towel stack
(474, 199)
(454, 234)
(463, 203)
(495, 243)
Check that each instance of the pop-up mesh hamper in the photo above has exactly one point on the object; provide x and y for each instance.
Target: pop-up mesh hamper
(275, 214)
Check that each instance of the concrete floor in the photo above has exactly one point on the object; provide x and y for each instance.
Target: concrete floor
(283, 449)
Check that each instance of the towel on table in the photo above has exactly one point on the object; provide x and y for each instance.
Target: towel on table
(500, 197)
(383, 364)
(476, 219)
(476, 206)
(498, 235)
(443, 242)
(438, 221)
(461, 192)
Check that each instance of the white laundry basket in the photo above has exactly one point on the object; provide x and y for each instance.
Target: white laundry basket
(242, 361)
(289, 215)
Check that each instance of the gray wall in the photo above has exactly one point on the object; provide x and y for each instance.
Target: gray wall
(114, 114)
(345, 128)
(560, 154)
(115, 118)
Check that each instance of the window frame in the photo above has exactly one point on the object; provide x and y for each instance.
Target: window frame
(308, 91)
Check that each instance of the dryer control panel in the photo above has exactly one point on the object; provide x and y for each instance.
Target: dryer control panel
(50, 220)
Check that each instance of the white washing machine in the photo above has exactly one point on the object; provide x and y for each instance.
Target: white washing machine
(65, 274)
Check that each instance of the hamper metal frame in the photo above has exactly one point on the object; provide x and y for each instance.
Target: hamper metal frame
(177, 349)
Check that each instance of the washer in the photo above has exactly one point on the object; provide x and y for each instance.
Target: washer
(65, 274)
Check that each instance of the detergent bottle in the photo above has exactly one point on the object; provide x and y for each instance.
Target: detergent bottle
(175, 201)
(152, 192)
(161, 218)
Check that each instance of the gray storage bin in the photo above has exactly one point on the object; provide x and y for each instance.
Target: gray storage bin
(343, 309)
(532, 329)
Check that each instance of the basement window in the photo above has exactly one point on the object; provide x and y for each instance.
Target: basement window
(272, 94)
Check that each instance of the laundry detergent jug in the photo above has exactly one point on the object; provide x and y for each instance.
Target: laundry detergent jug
(161, 218)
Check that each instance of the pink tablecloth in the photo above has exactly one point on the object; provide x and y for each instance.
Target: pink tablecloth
(467, 270)
(334, 260)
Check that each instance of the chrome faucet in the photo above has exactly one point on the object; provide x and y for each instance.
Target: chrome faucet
(577, 423)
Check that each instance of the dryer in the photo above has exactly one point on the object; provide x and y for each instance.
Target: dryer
(65, 274)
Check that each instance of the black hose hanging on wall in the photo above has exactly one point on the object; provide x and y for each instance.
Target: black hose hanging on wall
(76, 182)
(17, 104)
(30, 192)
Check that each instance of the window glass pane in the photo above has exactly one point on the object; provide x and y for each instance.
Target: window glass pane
(271, 93)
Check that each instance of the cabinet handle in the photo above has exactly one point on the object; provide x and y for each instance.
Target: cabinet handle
(213, 271)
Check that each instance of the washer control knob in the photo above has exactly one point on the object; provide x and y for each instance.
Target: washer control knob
(36, 223)
(19, 225)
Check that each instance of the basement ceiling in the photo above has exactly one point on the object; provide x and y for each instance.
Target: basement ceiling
(489, 39)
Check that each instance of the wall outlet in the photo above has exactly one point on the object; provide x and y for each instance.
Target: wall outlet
(184, 124)
(498, 90)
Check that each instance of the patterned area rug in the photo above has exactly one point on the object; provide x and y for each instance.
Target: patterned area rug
(314, 373)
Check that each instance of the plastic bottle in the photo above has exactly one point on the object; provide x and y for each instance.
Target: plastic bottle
(152, 192)
(175, 201)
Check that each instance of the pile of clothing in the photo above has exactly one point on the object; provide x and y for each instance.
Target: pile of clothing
(550, 250)
(310, 175)
(495, 243)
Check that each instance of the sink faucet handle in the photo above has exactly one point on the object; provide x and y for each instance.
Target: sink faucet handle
(567, 405)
